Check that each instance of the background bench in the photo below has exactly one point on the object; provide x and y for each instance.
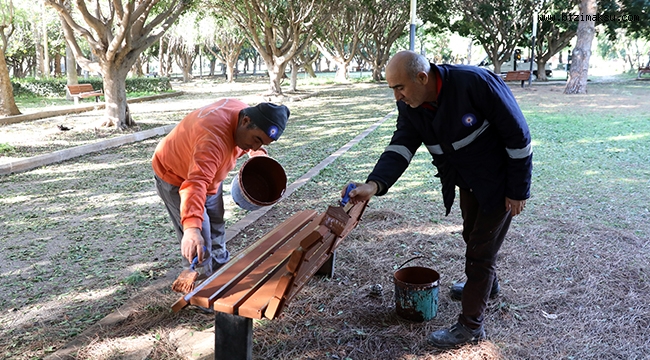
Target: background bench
(519, 75)
(643, 70)
(262, 279)
(83, 91)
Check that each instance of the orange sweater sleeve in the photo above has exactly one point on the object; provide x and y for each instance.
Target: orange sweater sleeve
(197, 155)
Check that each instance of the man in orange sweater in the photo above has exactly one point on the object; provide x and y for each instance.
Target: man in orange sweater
(192, 161)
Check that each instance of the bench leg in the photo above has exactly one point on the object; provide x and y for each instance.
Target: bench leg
(76, 100)
(233, 337)
(328, 267)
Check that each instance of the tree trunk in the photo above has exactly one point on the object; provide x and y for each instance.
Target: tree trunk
(117, 114)
(137, 68)
(230, 71)
(46, 48)
(40, 68)
(376, 74)
(294, 76)
(276, 72)
(577, 83)
(70, 69)
(213, 64)
(341, 71)
(541, 70)
(57, 65)
(161, 57)
(7, 102)
(310, 70)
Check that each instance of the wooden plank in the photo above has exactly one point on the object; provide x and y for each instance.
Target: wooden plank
(355, 216)
(293, 282)
(277, 302)
(230, 301)
(255, 291)
(256, 253)
(205, 294)
(300, 272)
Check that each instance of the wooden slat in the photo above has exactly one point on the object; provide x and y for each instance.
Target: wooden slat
(230, 301)
(244, 262)
(293, 282)
(355, 216)
(517, 75)
(252, 303)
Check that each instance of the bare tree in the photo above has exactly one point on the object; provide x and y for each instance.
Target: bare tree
(277, 29)
(7, 101)
(577, 83)
(117, 33)
(338, 34)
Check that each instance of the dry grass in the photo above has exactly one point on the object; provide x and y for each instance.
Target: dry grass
(573, 268)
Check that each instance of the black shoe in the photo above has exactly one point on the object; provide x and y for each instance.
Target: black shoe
(456, 290)
(456, 335)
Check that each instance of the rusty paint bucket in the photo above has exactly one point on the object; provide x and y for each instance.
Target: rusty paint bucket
(261, 181)
(416, 292)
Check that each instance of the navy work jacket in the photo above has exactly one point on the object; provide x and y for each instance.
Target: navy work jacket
(476, 134)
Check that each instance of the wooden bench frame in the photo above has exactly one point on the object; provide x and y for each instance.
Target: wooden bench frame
(519, 75)
(82, 91)
(643, 70)
(261, 280)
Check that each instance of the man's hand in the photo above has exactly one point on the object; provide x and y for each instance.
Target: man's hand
(515, 206)
(362, 192)
(192, 244)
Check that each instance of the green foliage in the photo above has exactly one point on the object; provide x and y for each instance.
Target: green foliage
(135, 278)
(6, 148)
(30, 87)
(148, 84)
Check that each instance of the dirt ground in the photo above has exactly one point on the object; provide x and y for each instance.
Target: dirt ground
(573, 269)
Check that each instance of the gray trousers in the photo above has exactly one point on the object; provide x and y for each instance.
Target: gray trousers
(213, 228)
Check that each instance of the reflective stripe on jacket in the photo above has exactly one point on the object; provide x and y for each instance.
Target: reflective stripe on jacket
(478, 139)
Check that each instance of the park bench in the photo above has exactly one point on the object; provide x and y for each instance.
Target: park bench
(262, 279)
(519, 75)
(82, 91)
(643, 70)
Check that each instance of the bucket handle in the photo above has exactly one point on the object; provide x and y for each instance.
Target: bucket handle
(411, 259)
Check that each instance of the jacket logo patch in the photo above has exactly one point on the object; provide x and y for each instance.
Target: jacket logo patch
(469, 120)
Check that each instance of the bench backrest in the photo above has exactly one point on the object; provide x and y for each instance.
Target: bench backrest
(517, 75)
(260, 281)
(80, 88)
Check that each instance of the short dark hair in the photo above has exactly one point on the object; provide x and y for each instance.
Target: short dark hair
(251, 125)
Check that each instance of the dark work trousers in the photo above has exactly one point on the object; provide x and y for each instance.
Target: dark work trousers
(213, 228)
(483, 233)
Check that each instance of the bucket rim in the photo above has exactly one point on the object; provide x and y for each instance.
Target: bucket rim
(238, 178)
(434, 273)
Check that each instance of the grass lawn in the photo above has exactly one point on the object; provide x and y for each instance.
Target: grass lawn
(81, 236)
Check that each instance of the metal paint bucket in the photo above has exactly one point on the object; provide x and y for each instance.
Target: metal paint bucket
(261, 181)
(416, 293)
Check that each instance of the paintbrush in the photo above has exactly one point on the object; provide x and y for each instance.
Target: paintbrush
(184, 283)
(336, 217)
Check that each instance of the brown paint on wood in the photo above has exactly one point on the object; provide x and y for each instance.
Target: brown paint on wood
(255, 280)
(206, 293)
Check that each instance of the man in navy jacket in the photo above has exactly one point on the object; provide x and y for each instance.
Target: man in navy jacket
(478, 138)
